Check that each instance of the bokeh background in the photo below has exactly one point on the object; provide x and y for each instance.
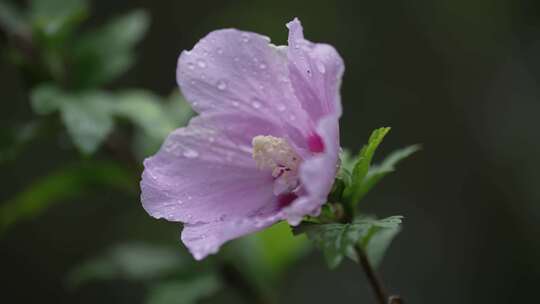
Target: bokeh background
(460, 77)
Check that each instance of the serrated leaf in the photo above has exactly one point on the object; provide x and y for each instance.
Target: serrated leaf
(353, 191)
(107, 52)
(131, 261)
(377, 172)
(184, 291)
(47, 98)
(338, 240)
(63, 184)
(378, 242)
(88, 119)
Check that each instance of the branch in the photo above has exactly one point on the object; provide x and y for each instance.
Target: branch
(375, 281)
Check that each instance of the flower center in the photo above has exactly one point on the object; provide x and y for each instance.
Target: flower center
(275, 154)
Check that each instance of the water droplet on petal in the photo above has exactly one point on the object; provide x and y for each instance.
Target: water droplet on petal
(235, 103)
(191, 153)
(201, 63)
(219, 51)
(281, 107)
(320, 67)
(245, 37)
(221, 85)
(262, 66)
(256, 103)
(190, 65)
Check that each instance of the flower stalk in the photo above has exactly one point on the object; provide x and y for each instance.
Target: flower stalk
(374, 280)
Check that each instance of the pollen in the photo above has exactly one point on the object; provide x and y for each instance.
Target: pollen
(276, 155)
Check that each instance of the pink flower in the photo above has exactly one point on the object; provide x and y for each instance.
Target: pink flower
(265, 145)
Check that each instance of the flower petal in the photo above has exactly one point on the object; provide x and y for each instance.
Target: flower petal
(232, 70)
(315, 72)
(205, 172)
(207, 238)
(317, 173)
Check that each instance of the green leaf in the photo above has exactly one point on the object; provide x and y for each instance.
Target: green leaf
(107, 52)
(178, 109)
(353, 191)
(154, 118)
(146, 111)
(131, 261)
(61, 185)
(377, 172)
(55, 19)
(47, 98)
(378, 242)
(338, 240)
(184, 291)
(88, 119)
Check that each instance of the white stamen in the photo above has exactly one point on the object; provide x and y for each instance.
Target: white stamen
(275, 154)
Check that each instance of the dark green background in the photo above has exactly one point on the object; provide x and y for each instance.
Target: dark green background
(459, 76)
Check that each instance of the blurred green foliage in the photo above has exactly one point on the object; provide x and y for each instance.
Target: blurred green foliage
(168, 276)
(65, 183)
(67, 69)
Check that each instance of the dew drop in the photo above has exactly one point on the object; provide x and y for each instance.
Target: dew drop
(219, 51)
(245, 38)
(320, 67)
(221, 85)
(191, 153)
(235, 103)
(262, 66)
(256, 104)
(281, 107)
(190, 65)
(201, 63)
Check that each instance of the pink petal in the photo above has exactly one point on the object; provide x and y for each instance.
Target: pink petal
(232, 70)
(315, 72)
(317, 173)
(207, 238)
(205, 172)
